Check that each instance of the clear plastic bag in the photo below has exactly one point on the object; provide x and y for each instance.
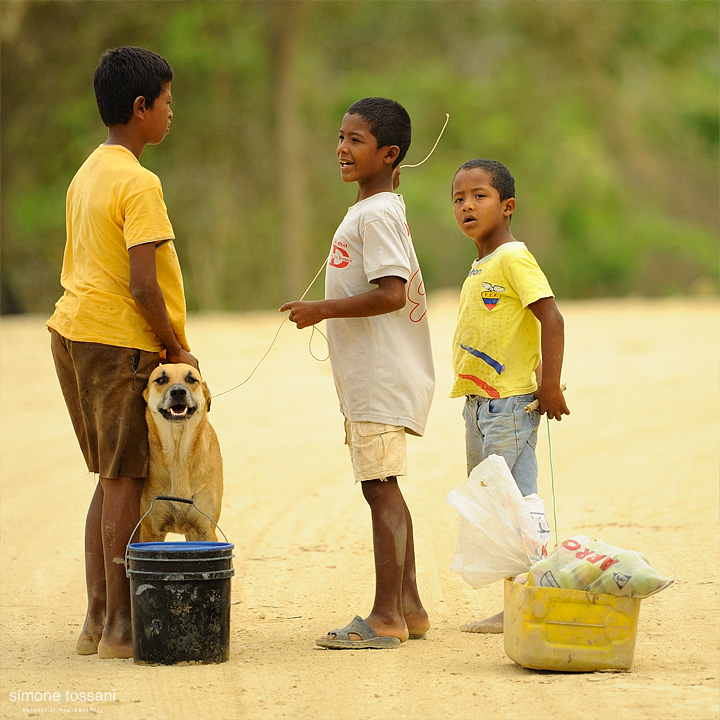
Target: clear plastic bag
(500, 533)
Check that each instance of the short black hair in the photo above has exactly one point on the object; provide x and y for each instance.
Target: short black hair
(500, 177)
(388, 120)
(125, 74)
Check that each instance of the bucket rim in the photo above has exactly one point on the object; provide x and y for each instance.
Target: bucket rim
(181, 546)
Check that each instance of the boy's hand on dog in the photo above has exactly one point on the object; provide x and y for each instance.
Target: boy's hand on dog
(183, 356)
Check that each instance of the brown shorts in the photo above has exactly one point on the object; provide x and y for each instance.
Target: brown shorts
(103, 386)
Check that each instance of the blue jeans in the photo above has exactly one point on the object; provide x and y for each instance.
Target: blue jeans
(502, 427)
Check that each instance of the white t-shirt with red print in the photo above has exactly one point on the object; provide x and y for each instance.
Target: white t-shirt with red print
(382, 365)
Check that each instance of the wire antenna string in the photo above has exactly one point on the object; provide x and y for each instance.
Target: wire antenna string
(447, 119)
(275, 337)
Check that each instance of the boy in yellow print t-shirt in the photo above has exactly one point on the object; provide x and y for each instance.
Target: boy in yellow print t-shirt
(509, 340)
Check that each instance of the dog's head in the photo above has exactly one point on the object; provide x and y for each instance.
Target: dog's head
(176, 392)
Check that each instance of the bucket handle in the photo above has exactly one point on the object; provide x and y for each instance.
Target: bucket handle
(170, 498)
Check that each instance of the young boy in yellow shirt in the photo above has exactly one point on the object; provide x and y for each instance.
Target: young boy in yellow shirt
(123, 306)
(507, 322)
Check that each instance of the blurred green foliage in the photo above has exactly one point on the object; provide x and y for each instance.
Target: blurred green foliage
(606, 113)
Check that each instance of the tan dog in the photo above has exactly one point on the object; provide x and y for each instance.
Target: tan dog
(185, 458)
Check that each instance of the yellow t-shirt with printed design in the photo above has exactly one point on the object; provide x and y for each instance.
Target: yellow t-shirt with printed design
(114, 203)
(496, 346)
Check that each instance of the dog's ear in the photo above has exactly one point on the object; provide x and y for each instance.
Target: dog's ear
(208, 396)
(146, 391)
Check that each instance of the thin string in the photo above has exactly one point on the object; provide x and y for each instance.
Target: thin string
(447, 119)
(315, 329)
(277, 332)
(552, 480)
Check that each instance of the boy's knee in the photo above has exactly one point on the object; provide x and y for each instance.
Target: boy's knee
(379, 487)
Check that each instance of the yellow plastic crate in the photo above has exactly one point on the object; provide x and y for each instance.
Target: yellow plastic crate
(569, 630)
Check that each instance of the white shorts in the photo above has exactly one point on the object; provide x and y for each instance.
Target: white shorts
(378, 451)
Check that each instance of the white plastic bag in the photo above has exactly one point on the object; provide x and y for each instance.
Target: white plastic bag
(500, 534)
(536, 506)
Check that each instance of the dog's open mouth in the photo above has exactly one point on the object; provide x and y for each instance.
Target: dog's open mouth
(177, 412)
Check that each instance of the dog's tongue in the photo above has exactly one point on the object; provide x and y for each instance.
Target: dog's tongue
(178, 409)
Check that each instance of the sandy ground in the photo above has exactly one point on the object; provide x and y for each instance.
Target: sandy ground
(636, 465)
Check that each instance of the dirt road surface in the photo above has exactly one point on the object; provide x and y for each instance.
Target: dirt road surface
(635, 465)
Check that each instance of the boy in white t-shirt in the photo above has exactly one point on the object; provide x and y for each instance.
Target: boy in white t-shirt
(381, 359)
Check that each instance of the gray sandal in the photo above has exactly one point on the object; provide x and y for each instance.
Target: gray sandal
(369, 638)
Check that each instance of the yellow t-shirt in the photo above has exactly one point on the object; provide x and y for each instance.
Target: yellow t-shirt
(114, 203)
(496, 347)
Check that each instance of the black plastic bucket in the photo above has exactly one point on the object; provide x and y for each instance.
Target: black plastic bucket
(180, 601)
(179, 598)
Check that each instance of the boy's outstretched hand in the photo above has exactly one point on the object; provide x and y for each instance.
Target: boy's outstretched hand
(303, 313)
(388, 296)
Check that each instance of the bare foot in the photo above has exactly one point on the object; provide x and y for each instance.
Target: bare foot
(490, 626)
(116, 642)
(418, 624)
(108, 649)
(87, 642)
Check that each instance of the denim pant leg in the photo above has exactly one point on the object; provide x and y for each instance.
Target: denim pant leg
(502, 427)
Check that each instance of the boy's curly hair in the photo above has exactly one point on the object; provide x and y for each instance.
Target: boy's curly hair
(388, 120)
(500, 177)
(125, 74)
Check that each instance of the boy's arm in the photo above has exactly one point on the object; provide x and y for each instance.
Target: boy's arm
(148, 296)
(552, 344)
(388, 296)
